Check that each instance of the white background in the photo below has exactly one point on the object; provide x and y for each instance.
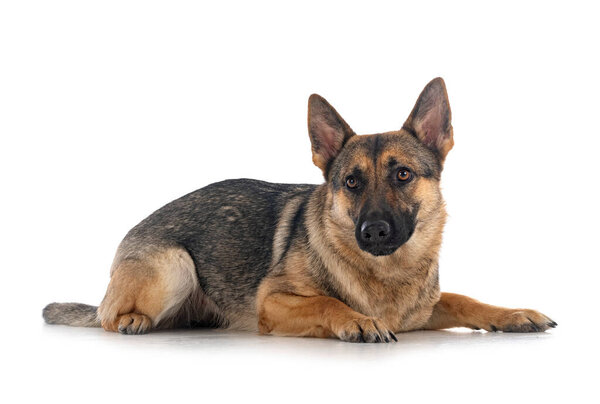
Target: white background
(108, 110)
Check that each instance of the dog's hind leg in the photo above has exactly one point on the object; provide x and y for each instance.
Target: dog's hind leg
(145, 291)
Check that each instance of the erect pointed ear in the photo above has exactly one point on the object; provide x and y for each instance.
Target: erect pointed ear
(328, 131)
(430, 119)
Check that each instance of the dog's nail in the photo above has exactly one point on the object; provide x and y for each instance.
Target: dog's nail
(493, 327)
(394, 336)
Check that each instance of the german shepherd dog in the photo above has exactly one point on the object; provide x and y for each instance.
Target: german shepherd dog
(355, 258)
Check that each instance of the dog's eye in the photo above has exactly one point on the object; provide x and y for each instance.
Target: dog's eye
(351, 182)
(404, 175)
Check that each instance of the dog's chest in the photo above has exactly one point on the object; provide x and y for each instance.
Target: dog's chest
(400, 304)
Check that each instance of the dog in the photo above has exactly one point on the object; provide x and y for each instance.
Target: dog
(355, 258)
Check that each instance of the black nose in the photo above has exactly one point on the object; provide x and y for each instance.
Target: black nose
(375, 232)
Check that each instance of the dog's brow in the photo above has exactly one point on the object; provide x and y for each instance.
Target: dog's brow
(357, 171)
(392, 162)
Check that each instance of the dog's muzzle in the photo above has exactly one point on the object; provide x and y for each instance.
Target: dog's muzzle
(383, 236)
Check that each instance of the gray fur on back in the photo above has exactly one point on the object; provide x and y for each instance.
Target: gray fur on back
(227, 228)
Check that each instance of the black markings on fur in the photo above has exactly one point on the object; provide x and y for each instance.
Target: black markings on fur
(534, 325)
(392, 163)
(493, 327)
(324, 279)
(376, 145)
(428, 291)
(361, 337)
(410, 130)
(296, 224)
(328, 168)
(428, 173)
(402, 224)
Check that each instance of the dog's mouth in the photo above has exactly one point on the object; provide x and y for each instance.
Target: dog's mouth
(381, 252)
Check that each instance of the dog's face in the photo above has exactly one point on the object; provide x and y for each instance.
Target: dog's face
(382, 185)
(379, 183)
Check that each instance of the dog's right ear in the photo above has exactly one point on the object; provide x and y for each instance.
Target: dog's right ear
(328, 132)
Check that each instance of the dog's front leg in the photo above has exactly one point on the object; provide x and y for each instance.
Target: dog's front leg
(454, 310)
(318, 316)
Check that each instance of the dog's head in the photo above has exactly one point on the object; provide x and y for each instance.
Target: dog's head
(380, 186)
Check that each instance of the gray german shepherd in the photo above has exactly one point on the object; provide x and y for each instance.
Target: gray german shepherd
(354, 258)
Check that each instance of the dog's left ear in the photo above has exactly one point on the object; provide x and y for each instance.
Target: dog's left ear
(430, 119)
(328, 132)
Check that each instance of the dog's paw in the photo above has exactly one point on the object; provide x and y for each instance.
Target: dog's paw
(133, 323)
(365, 329)
(520, 320)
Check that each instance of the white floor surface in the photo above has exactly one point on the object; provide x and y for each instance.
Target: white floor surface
(65, 364)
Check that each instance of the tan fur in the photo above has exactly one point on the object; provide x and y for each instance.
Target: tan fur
(315, 316)
(142, 292)
(454, 310)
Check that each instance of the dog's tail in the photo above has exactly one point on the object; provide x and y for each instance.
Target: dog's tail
(74, 314)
